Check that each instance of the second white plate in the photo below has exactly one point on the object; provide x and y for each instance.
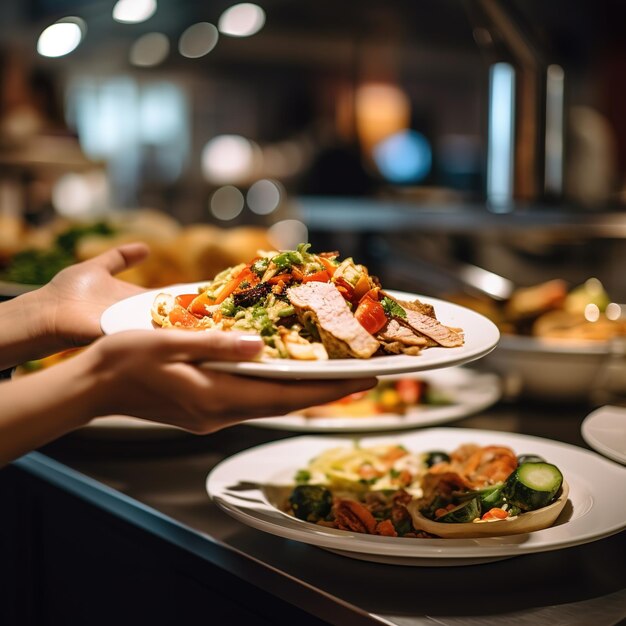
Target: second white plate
(595, 508)
(469, 392)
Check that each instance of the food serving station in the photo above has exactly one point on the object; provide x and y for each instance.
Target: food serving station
(159, 550)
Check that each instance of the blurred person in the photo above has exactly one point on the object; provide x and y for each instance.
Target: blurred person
(153, 375)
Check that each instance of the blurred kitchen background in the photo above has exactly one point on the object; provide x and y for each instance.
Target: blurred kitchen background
(430, 139)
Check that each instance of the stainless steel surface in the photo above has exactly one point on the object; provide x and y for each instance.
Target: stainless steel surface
(164, 481)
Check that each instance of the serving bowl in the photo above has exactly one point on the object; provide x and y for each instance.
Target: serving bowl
(552, 369)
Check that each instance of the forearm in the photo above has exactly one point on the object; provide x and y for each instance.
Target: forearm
(37, 408)
(25, 331)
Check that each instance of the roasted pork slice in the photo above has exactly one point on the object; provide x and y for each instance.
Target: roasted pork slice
(322, 305)
(395, 331)
(421, 318)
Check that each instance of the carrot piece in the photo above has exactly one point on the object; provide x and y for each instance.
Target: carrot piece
(185, 299)
(232, 284)
(495, 513)
(198, 305)
(320, 277)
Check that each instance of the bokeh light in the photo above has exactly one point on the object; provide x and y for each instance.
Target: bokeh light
(405, 157)
(81, 195)
(613, 311)
(592, 312)
(242, 20)
(226, 203)
(61, 38)
(287, 234)
(199, 39)
(134, 11)
(149, 50)
(264, 196)
(228, 159)
(381, 110)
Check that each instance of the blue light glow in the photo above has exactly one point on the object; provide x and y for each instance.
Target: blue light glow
(404, 157)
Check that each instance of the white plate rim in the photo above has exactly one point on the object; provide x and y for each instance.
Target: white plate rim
(594, 521)
(487, 392)
(479, 341)
(588, 434)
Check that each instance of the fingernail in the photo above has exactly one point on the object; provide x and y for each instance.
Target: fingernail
(249, 345)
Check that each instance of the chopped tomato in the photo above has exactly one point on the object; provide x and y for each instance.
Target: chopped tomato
(409, 390)
(320, 277)
(182, 317)
(198, 305)
(370, 314)
(185, 299)
(345, 289)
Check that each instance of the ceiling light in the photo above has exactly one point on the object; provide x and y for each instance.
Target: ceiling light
(242, 20)
(61, 38)
(133, 11)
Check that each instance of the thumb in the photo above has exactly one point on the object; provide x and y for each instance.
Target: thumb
(122, 257)
(212, 345)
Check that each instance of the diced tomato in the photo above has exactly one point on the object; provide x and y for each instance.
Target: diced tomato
(185, 299)
(345, 289)
(320, 277)
(182, 317)
(198, 305)
(409, 390)
(371, 315)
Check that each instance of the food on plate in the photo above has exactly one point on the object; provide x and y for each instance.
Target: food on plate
(390, 396)
(472, 491)
(308, 306)
(552, 310)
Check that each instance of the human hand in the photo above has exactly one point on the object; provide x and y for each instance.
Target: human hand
(73, 301)
(158, 376)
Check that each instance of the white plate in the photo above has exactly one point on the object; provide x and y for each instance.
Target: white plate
(595, 509)
(605, 431)
(118, 427)
(469, 392)
(481, 337)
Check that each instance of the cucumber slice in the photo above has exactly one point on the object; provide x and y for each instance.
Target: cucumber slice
(533, 485)
(465, 512)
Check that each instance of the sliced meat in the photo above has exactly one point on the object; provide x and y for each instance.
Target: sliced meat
(341, 334)
(394, 331)
(421, 318)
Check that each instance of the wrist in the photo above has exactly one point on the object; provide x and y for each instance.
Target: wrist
(27, 331)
